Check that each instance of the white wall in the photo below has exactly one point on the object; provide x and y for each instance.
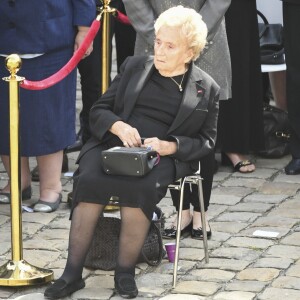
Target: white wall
(272, 9)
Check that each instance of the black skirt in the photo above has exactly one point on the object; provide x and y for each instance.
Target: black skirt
(93, 185)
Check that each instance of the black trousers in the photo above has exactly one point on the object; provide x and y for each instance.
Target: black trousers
(291, 20)
(191, 192)
(90, 67)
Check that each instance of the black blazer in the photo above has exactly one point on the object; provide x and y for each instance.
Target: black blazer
(194, 128)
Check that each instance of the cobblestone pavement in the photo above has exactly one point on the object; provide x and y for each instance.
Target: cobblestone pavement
(242, 265)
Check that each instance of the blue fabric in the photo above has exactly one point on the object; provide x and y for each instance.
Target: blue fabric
(47, 117)
(35, 26)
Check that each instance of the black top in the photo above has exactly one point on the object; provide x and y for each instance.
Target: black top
(157, 105)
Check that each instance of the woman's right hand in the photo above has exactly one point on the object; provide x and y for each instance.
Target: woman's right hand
(127, 134)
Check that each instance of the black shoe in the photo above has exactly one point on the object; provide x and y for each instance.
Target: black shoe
(170, 233)
(61, 289)
(26, 195)
(35, 176)
(197, 234)
(125, 286)
(293, 167)
(75, 147)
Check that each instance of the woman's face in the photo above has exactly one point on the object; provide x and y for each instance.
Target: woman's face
(171, 53)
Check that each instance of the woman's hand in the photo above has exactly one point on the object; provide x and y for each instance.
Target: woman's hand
(127, 134)
(82, 32)
(163, 148)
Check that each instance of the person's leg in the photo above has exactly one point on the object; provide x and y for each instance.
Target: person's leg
(49, 167)
(25, 172)
(84, 220)
(278, 88)
(134, 230)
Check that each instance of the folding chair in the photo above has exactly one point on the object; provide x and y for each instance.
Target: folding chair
(180, 185)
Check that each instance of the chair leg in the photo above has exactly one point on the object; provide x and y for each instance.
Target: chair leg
(203, 217)
(178, 233)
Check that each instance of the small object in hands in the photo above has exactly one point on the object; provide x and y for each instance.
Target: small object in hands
(170, 248)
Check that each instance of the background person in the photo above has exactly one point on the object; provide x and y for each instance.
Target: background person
(46, 40)
(161, 99)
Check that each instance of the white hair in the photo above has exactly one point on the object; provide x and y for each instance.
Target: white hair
(191, 26)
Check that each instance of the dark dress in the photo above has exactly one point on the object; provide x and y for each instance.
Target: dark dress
(240, 126)
(153, 114)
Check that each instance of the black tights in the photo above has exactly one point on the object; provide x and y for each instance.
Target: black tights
(134, 229)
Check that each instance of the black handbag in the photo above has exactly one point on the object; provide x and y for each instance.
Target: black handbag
(133, 161)
(103, 252)
(271, 42)
(276, 132)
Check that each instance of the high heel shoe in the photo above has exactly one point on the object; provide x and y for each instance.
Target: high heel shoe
(237, 167)
(197, 234)
(26, 195)
(170, 233)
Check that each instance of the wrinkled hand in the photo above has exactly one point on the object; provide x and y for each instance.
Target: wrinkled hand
(163, 148)
(127, 134)
(81, 34)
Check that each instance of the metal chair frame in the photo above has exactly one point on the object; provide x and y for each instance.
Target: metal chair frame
(180, 185)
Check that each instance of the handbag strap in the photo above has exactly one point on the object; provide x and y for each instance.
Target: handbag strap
(160, 248)
(265, 21)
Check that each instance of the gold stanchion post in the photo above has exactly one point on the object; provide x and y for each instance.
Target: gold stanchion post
(17, 272)
(106, 10)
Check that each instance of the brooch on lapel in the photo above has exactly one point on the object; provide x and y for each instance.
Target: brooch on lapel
(200, 90)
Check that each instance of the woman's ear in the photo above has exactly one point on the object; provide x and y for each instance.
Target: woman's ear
(189, 56)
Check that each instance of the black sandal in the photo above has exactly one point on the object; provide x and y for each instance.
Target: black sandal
(243, 163)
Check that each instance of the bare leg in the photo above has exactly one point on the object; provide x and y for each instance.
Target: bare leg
(25, 172)
(50, 172)
(278, 87)
(197, 220)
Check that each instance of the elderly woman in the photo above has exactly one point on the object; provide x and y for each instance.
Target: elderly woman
(174, 106)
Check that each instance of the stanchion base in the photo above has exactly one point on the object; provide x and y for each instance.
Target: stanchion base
(21, 273)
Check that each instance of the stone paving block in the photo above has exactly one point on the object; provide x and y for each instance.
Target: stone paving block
(279, 294)
(240, 181)
(279, 188)
(62, 223)
(286, 282)
(224, 199)
(100, 281)
(292, 239)
(6, 292)
(278, 163)
(260, 173)
(237, 295)
(31, 296)
(40, 258)
(286, 178)
(274, 221)
(5, 233)
(281, 230)
(5, 210)
(5, 246)
(181, 297)
(213, 275)
(259, 274)
(4, 219)
(150, 291)
(225, 264)
(215, 210)
(233, 191)
(183, 267)
(229, 227)
(191, 254)
(93, 294)
(292, 213)
(57, 245)
(294, 270)
(236, 253)
(53, 234)
(40, 218)
(29, 228)
(264, 198)
(252, 243)
(246, 286)
(196, 288)
(154, 279)
(238, 217)
(284, 251)
(193, 243)
(251, 207)
(273, 262)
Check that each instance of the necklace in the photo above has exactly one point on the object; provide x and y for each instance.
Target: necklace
(179, 84)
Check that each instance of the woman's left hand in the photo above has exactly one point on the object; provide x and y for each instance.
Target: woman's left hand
(163, 148)
(82, 32)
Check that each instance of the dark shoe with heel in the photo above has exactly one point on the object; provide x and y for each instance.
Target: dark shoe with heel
(197, 234)
(61, 288)
(293, 167)
(5, 197)
(125, 286)
(170, 233)
(237, 167)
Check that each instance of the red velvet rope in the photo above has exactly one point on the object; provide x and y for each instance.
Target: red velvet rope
(69, 67)
(122, 18)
